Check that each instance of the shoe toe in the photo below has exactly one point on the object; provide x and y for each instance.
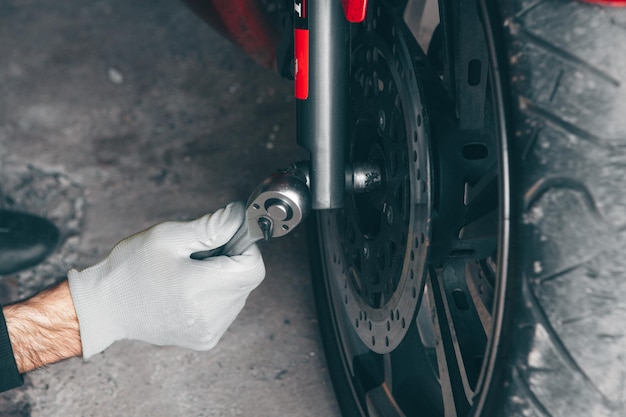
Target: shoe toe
(25, 240)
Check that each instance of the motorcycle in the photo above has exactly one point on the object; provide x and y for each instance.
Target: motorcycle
(468, 204)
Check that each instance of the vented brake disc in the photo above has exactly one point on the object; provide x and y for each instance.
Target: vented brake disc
(376, 246)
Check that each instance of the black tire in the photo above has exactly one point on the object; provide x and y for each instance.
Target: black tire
(557, 346)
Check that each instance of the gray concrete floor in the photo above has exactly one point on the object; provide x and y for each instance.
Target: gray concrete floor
(115, 115)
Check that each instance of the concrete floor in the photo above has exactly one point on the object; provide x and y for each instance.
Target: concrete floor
(115, 115)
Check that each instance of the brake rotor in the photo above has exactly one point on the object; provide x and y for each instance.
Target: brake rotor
(378, 243)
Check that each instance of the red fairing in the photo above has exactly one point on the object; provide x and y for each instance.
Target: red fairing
(354, 10)
(611, 3)
(244, 22)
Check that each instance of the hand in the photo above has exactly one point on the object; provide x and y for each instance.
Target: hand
(149, 289)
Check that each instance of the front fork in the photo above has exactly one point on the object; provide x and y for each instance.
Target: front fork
(321, 70)
(322, 62)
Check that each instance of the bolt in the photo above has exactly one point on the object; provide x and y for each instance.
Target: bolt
(265, 225)
(389, 213)
(366, 250)
(382, 119)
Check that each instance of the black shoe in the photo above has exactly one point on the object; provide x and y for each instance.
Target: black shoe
(25, 240)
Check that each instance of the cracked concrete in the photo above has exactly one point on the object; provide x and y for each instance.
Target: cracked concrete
(116, 115)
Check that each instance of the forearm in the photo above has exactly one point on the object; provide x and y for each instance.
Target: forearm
(43, 329)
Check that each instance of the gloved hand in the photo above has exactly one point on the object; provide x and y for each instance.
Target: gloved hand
(149, 289)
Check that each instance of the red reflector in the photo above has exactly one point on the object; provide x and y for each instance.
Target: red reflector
(354, 10)
(611, 3)
(301, 43)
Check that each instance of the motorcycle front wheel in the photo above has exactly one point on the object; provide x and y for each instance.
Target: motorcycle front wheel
(486, 276)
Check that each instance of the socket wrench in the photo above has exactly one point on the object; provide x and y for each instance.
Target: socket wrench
(275, 208)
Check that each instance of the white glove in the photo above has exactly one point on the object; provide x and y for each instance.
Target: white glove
(149, 289)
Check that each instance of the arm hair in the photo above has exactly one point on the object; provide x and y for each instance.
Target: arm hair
(43, 329)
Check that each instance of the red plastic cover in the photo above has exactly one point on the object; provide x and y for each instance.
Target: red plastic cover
(302, 63)
(612, 3)
(354, 10)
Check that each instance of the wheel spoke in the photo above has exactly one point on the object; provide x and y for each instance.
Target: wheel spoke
(380, 402)
(477, 236)
(465, 61)
(471, 68)
(454, 390)
(465, 322)
(478, 248)
(447, 14)
(481, 292)
(482, 198)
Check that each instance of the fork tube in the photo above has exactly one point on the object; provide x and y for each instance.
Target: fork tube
(321, 89)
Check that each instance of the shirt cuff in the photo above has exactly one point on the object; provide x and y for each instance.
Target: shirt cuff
(9, 375)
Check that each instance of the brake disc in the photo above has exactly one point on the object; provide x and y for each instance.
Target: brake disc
(377, 245)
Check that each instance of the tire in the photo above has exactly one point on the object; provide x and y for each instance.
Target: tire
(552, 342)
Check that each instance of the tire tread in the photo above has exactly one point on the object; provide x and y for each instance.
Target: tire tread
(567, 97)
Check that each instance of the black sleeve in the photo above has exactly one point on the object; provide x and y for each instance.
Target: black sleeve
(9, 376)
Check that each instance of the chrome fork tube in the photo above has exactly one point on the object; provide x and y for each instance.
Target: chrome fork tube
(321, 80)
